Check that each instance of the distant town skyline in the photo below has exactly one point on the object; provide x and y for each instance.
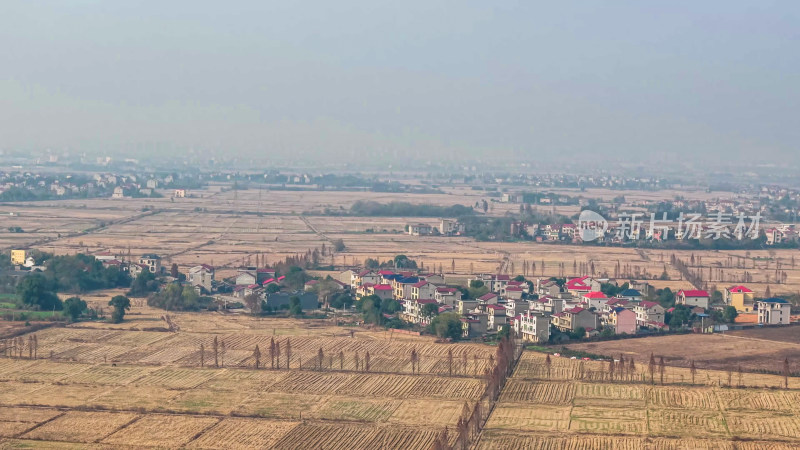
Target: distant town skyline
(528, 80)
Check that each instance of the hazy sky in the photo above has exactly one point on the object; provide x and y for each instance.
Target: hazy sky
(485, 78)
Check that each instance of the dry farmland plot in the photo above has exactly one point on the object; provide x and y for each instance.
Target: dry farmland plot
(16, 420)
(244, 433)
(709, 351)
(158, 430)
(672, 416)
(80, 426)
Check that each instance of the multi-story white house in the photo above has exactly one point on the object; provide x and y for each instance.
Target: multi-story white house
(533, 327)
(648, 313)
(774, 311)
(202, 276)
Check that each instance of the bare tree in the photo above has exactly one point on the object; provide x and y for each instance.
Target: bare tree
(651, 367)
(215, 347)
(693, 370)
(366, 362)
(341, 360)
(202, 355)
(320, 356)
(222, 353)
(739, 373)
(278, 355)
(450, 362)
(288, 353)
(272, 353)
(786, 373)
(547, 363)
(661, 369)
(257, 356)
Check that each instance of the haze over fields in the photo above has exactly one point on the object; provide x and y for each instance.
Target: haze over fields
(322, 80)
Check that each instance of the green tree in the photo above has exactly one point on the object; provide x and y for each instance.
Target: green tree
(253, 302)
(430, 309)
(504, 332)
(341, 300)
(37, 291)
(447, 325)
(74, 307)
(120, 304)
(143, 284)
(730, 314)
(404, 262)
(175, 297)
(338, 245)
(477, 292)
(295, 308)
(296, 278)
(579, 333)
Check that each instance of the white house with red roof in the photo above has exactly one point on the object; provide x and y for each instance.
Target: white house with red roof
(514, 292)
(548, 305)
(693, 297)
(497, 316)
(384, 291)
(616, 303)
(520, 284)
(488, 299)
(365, 276)
(495, 283)
(423, 289)
(581, 285)
(648, 313)
(594, 299)
(546, 286)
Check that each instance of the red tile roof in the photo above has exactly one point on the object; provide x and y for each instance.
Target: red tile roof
(420, 284)
(595, 294)
(444, 290)
(578, 284)
(496, 307)
(741, 289)
(488, 296)
(425, 300)
(693, 293)
(648, 304)
(382, 287)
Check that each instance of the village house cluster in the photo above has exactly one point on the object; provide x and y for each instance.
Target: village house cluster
(533, 309)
